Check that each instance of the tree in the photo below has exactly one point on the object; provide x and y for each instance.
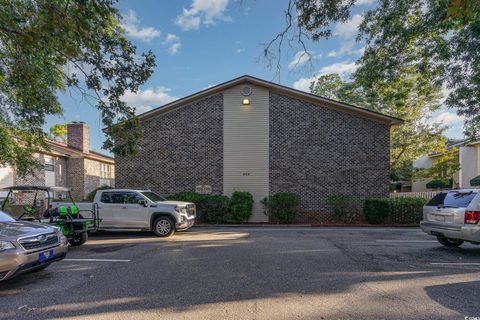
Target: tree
(444, 168)
(48, 46)
(59, 131)
(445, 33)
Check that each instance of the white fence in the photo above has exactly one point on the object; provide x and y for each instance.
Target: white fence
(423, 194)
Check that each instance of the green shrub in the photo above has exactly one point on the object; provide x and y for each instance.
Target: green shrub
(187, 197)
(91, 195)
(407, 210)
(210, 208)
(376, 210)
(281, 207)
(346, 209)
(213, 209)
(394, 210)
(240, 206)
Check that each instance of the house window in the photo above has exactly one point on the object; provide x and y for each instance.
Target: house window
(49, 164)
(105, 171)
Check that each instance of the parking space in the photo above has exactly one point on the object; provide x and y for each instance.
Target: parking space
(246, 273)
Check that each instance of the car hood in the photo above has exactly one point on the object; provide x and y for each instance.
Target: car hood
(175, 203)
(13, 230)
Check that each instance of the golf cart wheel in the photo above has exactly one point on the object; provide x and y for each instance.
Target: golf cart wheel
(78, 239)
(451, 243)
(164, 227)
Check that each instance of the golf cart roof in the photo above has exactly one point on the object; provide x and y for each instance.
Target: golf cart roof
(36, 188)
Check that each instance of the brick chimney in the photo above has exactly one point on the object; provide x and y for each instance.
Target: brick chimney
(78, 136)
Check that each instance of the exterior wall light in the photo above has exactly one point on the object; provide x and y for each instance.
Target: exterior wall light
(246, 102)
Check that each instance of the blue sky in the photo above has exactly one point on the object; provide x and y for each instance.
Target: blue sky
(200, 43)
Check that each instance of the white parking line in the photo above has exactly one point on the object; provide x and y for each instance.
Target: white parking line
(96, 260)
(406, 241)
(455, 263)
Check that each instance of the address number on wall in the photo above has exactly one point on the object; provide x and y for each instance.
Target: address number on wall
(203, 189)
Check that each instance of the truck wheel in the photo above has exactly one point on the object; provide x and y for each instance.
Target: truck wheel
(451, 243)
(78, 239)
(164, 227)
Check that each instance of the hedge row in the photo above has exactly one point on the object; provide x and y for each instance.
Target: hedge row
(394, 210)
(280, 207)
(349, 209)
(219, 209)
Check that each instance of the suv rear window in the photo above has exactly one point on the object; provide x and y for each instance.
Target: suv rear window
(452, 199)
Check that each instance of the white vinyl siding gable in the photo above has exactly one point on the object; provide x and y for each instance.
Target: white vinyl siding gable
(246, 145)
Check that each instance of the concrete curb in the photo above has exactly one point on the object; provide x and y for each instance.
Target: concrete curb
(256, 225)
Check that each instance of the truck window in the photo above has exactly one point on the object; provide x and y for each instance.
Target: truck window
(452, 199)
(113, 197)
(132, 198)
(153, 196)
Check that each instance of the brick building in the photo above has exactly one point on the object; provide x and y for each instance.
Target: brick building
(252, 135)
(70, 164)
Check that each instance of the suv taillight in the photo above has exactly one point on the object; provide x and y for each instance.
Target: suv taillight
(472, 217)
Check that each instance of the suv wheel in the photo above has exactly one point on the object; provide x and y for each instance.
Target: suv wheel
(164, 227)
(451, 243)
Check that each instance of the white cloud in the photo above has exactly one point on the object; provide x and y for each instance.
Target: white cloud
(173, 49)
(304, 83)
(240, 50)
(344, 69)
(171, 38)
(145, 100)
(332, 53)
(173, 42)
(449, 118)
(205, 12)
(300, 58)
(453, 121)
(364, 2)
(347, 32)
(349, 29)
(131, 25)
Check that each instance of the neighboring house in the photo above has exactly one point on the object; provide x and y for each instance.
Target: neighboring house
(69, 164)
(468, 176)
(253, 135)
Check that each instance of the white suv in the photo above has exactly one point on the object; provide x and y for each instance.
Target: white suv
(453, 217)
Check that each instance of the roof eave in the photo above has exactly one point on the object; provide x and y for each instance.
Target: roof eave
(341, 106)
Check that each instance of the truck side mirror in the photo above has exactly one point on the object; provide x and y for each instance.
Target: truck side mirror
(142, 202)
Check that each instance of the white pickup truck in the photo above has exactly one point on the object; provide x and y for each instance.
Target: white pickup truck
(128, 209)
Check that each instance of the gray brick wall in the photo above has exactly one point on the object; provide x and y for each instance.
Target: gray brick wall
(318, 152)
(180, 149)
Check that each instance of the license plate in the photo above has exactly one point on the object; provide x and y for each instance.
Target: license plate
(440, 218)
(45, 256)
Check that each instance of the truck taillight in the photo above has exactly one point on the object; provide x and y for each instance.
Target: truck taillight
(472, 217)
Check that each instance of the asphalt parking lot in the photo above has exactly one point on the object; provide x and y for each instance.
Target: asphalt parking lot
(254, 273)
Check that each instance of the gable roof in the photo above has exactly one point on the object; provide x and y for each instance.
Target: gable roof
(274, 87)
(62, 149)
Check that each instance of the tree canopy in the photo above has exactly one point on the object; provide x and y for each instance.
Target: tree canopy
(47, 46)
(59, 131)
(445, 36)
